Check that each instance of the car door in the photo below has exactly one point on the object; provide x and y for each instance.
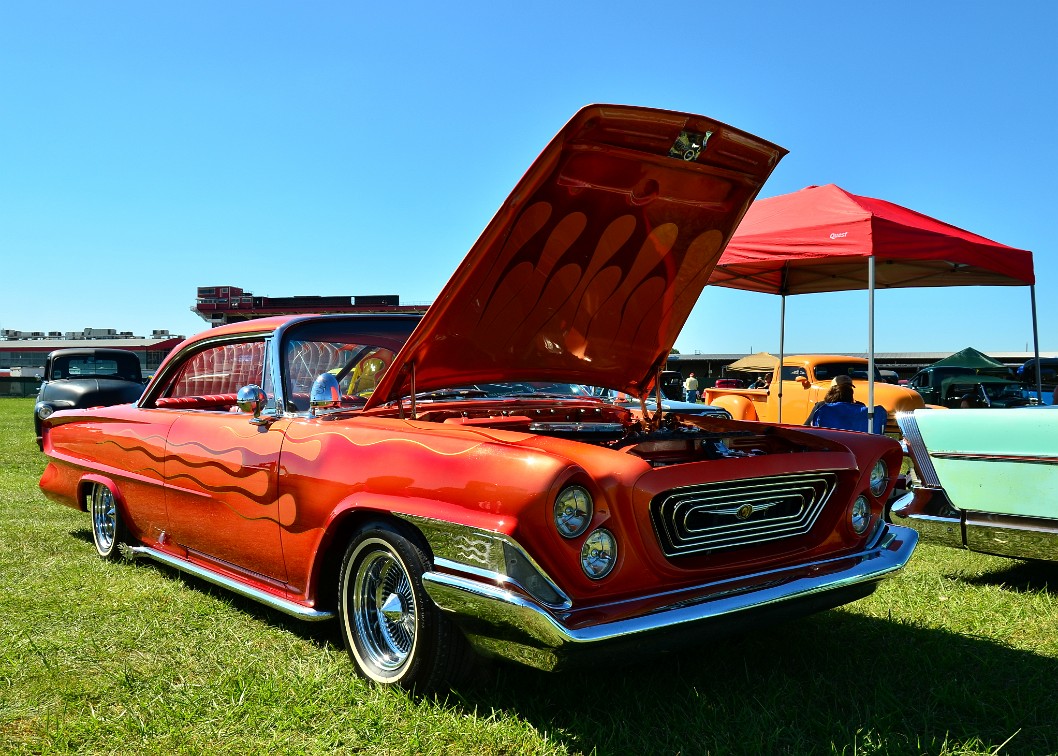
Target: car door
(922, 383)
(796, 394)
(221, 470)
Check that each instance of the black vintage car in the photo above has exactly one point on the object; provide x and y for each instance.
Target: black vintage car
(80, 378)
(955, 387)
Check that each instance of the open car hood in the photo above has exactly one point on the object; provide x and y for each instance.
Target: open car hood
(590, 268)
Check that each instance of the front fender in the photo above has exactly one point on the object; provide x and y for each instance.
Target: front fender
(740, 407)
(423, 517)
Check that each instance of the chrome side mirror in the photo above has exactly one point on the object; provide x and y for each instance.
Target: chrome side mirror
(325, 394)
(252, 399)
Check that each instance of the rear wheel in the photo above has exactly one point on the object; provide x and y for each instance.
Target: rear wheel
(392, 630)
(108, 529)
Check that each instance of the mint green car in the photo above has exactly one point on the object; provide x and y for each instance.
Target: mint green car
(984, 481)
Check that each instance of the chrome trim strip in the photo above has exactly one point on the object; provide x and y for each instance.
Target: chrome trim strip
(512, 626)
(919, 453)
(1030, 459)
(283, 605)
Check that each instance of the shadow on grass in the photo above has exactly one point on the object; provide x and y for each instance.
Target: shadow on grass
(833, 682)
(1023, 577)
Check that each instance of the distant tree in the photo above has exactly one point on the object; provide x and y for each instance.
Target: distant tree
(674, 351)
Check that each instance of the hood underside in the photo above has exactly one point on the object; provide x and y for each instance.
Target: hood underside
(590, 269)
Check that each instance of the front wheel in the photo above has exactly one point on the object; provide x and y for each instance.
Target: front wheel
(108, 528)
(391, 629)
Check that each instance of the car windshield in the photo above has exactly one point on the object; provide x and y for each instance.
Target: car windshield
(855, 370)
(1002, 390)
(89, 366)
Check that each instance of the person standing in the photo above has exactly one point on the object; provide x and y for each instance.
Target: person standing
(690, 388)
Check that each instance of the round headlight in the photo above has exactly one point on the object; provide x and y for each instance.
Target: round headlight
(45, 411)
(860, 514)
(599, 554)
(879, 477)
(573, 510)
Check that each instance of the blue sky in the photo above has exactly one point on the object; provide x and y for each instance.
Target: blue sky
(350, 148)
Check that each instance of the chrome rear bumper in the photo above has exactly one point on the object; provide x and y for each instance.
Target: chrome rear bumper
(504, 623)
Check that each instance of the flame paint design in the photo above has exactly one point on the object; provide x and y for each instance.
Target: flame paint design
(315, 444)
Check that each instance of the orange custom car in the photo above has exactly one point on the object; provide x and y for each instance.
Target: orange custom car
(805, 380)
(393, 473)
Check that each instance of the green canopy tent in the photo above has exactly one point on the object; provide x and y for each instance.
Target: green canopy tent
(970, 358)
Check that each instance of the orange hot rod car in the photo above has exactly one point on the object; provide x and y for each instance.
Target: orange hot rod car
(411, 477)
(805, 380)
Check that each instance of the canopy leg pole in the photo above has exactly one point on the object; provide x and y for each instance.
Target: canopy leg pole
(870, 344)
(1036, 344)
(782, 333)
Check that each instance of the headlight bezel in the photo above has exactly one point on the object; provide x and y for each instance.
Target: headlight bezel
(878, 483)
(860, 512)
(598, 555)
(573, 511)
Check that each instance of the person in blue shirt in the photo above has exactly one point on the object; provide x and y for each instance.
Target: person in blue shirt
(841, 390)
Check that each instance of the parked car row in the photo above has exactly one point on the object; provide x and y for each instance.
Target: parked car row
(368, 469)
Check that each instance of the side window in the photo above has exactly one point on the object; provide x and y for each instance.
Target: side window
(214, 374)
(793, 372)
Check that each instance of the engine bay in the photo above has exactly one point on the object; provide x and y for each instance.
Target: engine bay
(661, 441)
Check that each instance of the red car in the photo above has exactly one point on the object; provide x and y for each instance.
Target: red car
(416, 478)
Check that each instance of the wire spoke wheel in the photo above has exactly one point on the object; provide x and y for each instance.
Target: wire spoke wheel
(107, 528)
(391, 628)
(384, 610)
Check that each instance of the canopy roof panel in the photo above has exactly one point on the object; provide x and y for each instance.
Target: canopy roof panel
(970, 358)
(818, 239)
(761, 362)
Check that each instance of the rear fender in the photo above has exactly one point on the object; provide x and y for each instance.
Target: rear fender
(84, 490)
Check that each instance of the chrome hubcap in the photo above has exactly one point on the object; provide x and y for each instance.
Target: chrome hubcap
(104, 518)
(383, 610)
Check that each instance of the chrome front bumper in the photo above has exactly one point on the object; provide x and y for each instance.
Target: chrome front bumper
(506, 623)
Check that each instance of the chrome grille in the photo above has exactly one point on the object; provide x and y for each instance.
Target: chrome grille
(917, 447)
(735, 513)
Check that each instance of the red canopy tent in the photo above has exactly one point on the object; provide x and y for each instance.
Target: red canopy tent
(823, 238)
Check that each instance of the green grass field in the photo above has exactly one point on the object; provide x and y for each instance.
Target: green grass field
(958, 655)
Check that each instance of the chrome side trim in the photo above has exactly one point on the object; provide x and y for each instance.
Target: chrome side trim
(1029, 459)
(283, 605)
(919, 453)
(487, 555)
(1012, 536)
(512, 626)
